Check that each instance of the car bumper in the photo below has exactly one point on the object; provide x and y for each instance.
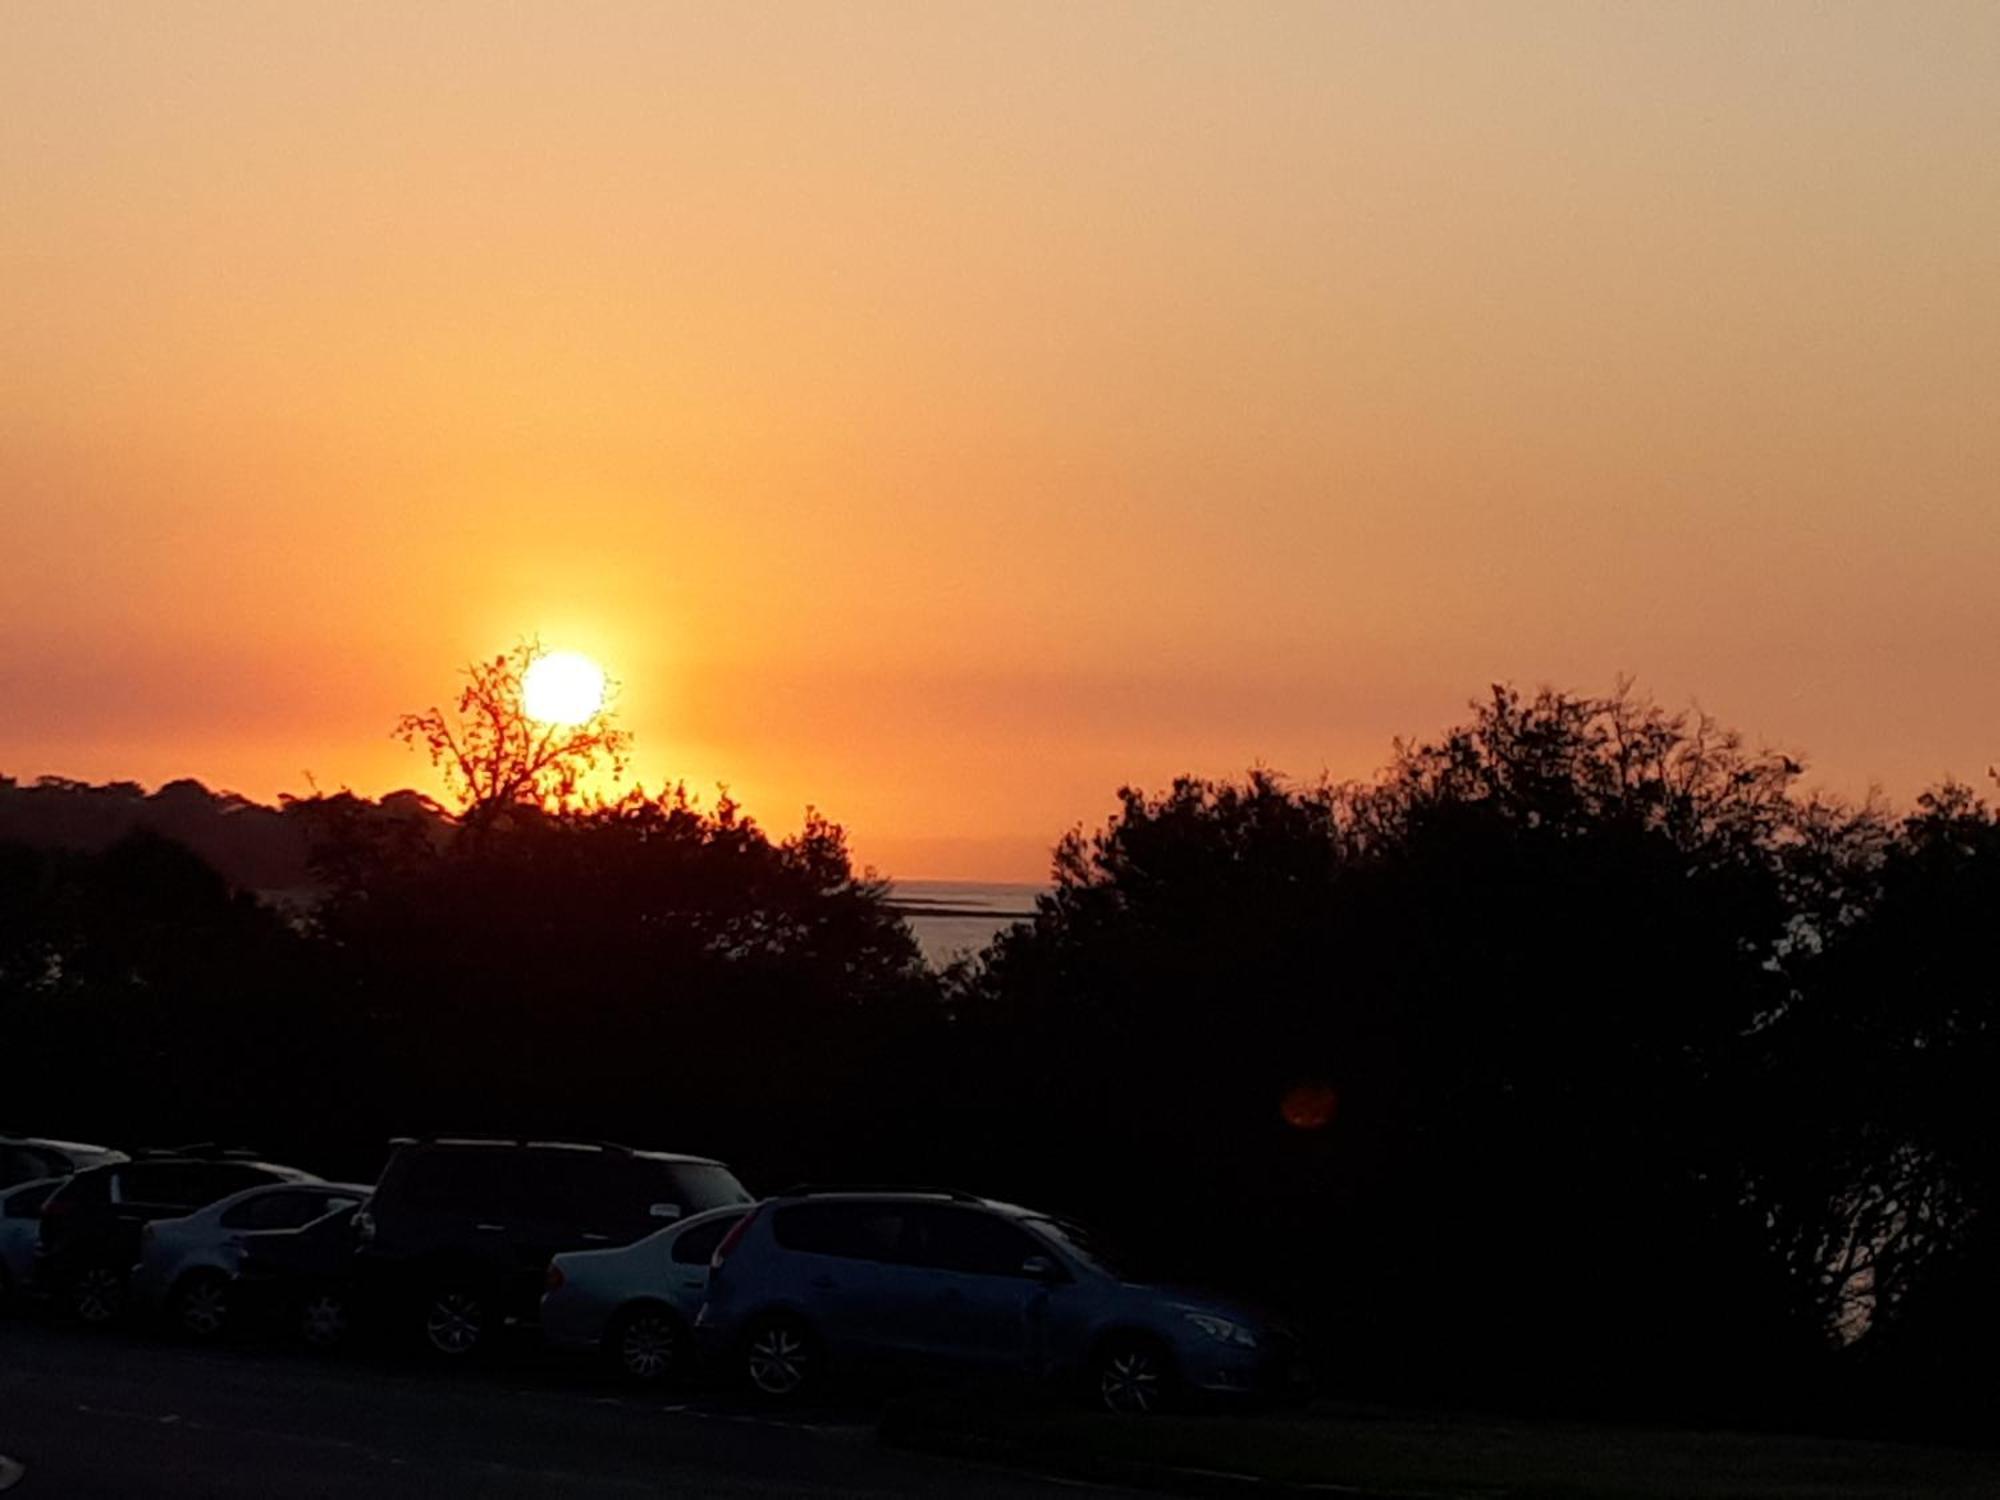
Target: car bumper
(1274, 1375)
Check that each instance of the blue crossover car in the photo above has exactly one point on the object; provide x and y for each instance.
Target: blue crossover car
(812, 1285)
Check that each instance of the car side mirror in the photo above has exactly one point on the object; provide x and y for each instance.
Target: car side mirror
(664, 1211)
(1041, 1268)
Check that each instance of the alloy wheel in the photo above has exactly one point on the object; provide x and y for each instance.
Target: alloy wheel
(649, 1346)
(779, 1359)
(1131, 1380)
(97, 1294)
(204, 1307)
(455, 1323)
(323, 1320)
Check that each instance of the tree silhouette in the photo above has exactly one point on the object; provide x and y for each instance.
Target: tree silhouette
(495, 756)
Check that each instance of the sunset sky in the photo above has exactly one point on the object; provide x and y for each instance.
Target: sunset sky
(943, 413)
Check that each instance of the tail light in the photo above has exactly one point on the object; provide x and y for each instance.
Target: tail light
(732, 1239)
(553, 1281)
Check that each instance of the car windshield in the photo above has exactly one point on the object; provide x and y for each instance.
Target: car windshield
(1093, 1249)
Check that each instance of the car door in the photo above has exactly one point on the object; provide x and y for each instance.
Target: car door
(840, 1272)
(967, 1301)
(139, 1194)
(20, 1230)
(545, 1196)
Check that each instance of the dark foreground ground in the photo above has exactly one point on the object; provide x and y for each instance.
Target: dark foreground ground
(119, 1416)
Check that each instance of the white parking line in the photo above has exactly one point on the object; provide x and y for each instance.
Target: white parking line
(10, 1472)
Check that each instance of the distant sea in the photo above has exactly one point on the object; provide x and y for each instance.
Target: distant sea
(954, 917)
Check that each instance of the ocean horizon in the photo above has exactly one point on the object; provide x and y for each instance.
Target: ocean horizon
(952, 918)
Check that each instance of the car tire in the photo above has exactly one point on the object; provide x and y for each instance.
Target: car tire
(647, 1344)
(1132, 1376)
(201, 1306)
(457, 1320)
(97, 1295)
(781, 1359)
(325, 1319)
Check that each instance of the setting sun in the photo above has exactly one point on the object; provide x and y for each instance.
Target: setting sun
(563, 688)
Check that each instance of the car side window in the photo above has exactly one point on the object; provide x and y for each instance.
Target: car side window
(152, 1183)
(969, 1241)
(550, 1187)
(275, 1211)
(696, 1246)
(26, 1163)
(857, 1231)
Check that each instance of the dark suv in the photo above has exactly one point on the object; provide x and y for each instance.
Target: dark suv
(458, 1236)
(91, 1225)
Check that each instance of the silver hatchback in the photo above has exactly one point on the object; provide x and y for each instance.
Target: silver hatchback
(635, 1305)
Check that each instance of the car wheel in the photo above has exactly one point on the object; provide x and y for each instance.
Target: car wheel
(97, 1295)
(456, 1321)
(781, 1358)
(323, 1319)
(647, 1344)
(201, 1306)
(1132, 1377)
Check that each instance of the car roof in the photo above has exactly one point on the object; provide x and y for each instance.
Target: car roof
(612, 1148)
(81, 1148)
(899, 1195)
(288, 1175)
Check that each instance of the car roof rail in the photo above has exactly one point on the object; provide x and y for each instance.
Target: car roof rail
(899, 1189)
(197, 1151)
(458, 1138)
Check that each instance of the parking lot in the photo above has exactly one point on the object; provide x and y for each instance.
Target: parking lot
(90, 1415)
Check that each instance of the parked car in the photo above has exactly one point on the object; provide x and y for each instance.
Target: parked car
(635, 1306)
(20, 1229)
(300, 1282)
(91, 1224)
(188, 1266)
(812, 1284)
(32, 1158)
(454, 1243)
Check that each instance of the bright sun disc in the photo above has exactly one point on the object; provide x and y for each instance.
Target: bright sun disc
(563, 688)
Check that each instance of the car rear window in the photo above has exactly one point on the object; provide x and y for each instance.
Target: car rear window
(26, 1163)
(26, 1203)
(696, 1246)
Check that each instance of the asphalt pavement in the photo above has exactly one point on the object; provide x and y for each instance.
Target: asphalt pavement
(91, 1415)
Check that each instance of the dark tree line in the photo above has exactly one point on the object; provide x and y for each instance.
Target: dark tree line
(1579, 1057)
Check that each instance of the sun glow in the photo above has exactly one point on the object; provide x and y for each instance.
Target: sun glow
(563, 688)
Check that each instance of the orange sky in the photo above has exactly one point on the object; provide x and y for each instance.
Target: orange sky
(944, 413)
